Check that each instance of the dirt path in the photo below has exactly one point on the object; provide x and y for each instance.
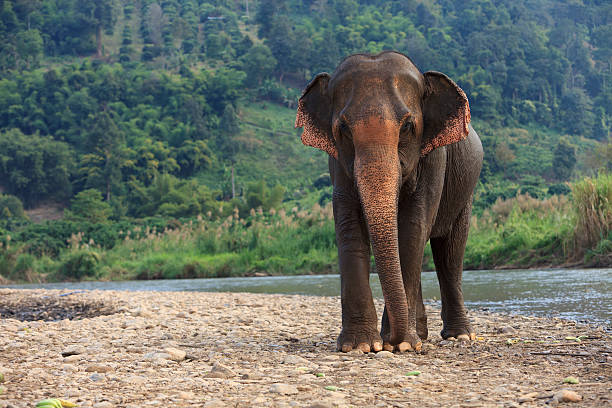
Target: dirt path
(184, 349)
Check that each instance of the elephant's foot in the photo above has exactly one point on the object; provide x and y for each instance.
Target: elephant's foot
(361, 338)
(410, 342)
(421, 327)
(462, 332)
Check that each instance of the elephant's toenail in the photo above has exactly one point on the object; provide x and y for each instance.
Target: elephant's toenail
(404, 346)
(364, 347)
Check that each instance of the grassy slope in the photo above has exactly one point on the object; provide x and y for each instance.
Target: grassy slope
(269, 148)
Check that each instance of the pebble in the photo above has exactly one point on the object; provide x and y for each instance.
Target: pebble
(567, 396)
(220, 371)
(103, 404)
(175, 354)
(384, 354)
(73, 350)
(528, 397)
(296, 360)
(186, 395)
(72, 358)
(286, 389)
(96, 377)
(97, 368)
(506, 330)
(215, 403)
(156, 356)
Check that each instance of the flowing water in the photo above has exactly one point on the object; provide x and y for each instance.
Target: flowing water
(577, 294)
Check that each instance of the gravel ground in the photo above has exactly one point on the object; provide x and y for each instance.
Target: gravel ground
(183, 349)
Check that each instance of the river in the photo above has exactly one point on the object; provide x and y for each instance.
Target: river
(584, 295)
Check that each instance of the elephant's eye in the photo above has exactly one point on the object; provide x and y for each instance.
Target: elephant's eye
(407, 126)
(344, 129)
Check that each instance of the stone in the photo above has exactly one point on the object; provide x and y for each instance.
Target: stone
(95, 377)
(73, 350)
(215, 403)
(72, 358)
(156, 355)
(384, 354)
(103, 404)
(321, 405)
(506, 330)
(220, 371)
(296, 360)
(175, 354)
(567, 396)
(528, 397)
(97, 368)
(186, 395)
(285, 389)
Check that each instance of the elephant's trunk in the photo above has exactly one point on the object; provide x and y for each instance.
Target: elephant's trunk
(377, 173)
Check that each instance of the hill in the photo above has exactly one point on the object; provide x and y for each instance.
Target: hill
(142, 112)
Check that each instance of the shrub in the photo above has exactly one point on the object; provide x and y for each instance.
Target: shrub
(79, 264)
(592, 204)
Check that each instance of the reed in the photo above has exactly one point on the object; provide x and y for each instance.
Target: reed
(592, 210)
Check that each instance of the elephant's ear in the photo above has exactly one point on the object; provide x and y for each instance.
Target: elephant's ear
(446, 112)
(314, 115)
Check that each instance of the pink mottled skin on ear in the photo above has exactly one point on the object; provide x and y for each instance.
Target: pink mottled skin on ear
(455, 130)
(312, 135)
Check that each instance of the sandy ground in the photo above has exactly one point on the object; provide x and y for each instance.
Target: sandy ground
(184, 349)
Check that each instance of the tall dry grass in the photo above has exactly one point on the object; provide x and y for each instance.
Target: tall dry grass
(592, 207)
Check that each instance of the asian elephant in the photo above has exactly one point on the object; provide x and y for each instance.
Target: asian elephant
(404, 161)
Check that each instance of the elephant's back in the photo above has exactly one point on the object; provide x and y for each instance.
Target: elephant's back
(463, 164)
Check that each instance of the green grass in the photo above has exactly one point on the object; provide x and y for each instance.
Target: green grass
(269, 148)
(519, 232)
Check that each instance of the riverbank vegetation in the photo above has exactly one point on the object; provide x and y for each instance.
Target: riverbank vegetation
(520, 232)
(143, 115)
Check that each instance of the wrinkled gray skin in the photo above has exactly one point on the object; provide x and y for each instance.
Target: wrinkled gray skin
(404, 162)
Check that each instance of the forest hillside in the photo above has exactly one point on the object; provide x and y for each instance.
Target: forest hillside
(123, 113)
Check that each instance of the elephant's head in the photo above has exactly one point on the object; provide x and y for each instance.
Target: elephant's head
(378, 116)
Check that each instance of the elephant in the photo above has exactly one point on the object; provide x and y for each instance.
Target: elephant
(404, 161)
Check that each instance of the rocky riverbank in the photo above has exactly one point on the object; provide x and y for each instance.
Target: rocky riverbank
(183, 349)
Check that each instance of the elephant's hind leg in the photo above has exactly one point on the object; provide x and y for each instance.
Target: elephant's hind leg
(448, 254)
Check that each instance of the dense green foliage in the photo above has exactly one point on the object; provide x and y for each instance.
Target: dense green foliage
(518, 232)
(138, 113)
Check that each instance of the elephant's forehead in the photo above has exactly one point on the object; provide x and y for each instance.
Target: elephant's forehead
(389, 81)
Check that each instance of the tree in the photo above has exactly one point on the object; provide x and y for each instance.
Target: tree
(34, 167)
(577, 112)
(88, 206)
(102, 14)
(258, 63)
(564, 160)
(10, 207)
(102, 168)
(30, 47)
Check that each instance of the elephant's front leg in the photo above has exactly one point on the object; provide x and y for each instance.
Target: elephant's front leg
(359, 321)
(412, 238)
(417, 211)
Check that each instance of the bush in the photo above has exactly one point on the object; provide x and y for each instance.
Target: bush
(79, 264)
(10, 207)
(592, 204)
